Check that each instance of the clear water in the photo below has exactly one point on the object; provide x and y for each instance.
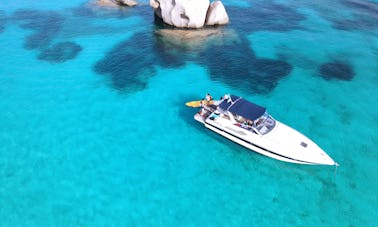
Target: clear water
(94, 130)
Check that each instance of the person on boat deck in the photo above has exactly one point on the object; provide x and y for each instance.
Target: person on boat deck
(208, 97)
(226, 97)
(202, 111)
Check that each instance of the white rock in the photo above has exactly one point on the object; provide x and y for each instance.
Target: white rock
(105, 3)
(154, 4)
(216, 15)
(127, 2)
(116, 3)
(182, 13)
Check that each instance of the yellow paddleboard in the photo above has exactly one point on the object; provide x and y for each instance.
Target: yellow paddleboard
(198, 103)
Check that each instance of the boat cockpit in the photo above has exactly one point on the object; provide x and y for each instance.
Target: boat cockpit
(264, 124)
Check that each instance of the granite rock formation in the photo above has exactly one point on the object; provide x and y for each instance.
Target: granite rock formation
(216, 14)
(190, 13)
(117, 3)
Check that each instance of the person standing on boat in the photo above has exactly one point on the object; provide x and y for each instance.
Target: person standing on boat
(208, 97)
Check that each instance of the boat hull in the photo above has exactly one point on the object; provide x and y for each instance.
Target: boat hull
(255, 148)
(231, 135)
(251, 126)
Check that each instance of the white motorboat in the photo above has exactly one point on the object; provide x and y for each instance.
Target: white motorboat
(251, 126)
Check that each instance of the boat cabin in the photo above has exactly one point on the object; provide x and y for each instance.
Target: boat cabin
(247, 115)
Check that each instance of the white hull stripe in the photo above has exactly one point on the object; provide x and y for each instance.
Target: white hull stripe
(261, 147)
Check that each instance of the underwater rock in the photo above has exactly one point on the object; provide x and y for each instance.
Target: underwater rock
(60, 52)
(129, 63)
(45, 25)
(2, 21)
(367, 7)
(216, 14)
(235, 64)
(189, 13)
(360, 23)
(265, 16)
(267, 73)
(336, 70)
(363, 17)
(194, 40)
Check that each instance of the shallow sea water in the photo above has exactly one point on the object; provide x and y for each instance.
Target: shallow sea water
(94, 130)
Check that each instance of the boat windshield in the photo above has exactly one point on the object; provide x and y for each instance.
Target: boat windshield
(264, 124)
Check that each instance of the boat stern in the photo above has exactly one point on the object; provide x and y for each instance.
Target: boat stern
(199, 118)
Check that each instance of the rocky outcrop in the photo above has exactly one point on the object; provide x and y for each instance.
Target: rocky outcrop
(116, 2)
(126, 2)
(190, 13)
(216, 15)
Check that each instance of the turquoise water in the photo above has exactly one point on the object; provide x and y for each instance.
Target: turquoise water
(94, 130)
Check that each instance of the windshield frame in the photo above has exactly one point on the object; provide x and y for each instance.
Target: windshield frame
(264, 124)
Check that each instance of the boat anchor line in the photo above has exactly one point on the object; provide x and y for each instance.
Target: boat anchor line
(261, 147)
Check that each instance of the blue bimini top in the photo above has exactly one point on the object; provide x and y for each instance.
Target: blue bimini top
(239, 106)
